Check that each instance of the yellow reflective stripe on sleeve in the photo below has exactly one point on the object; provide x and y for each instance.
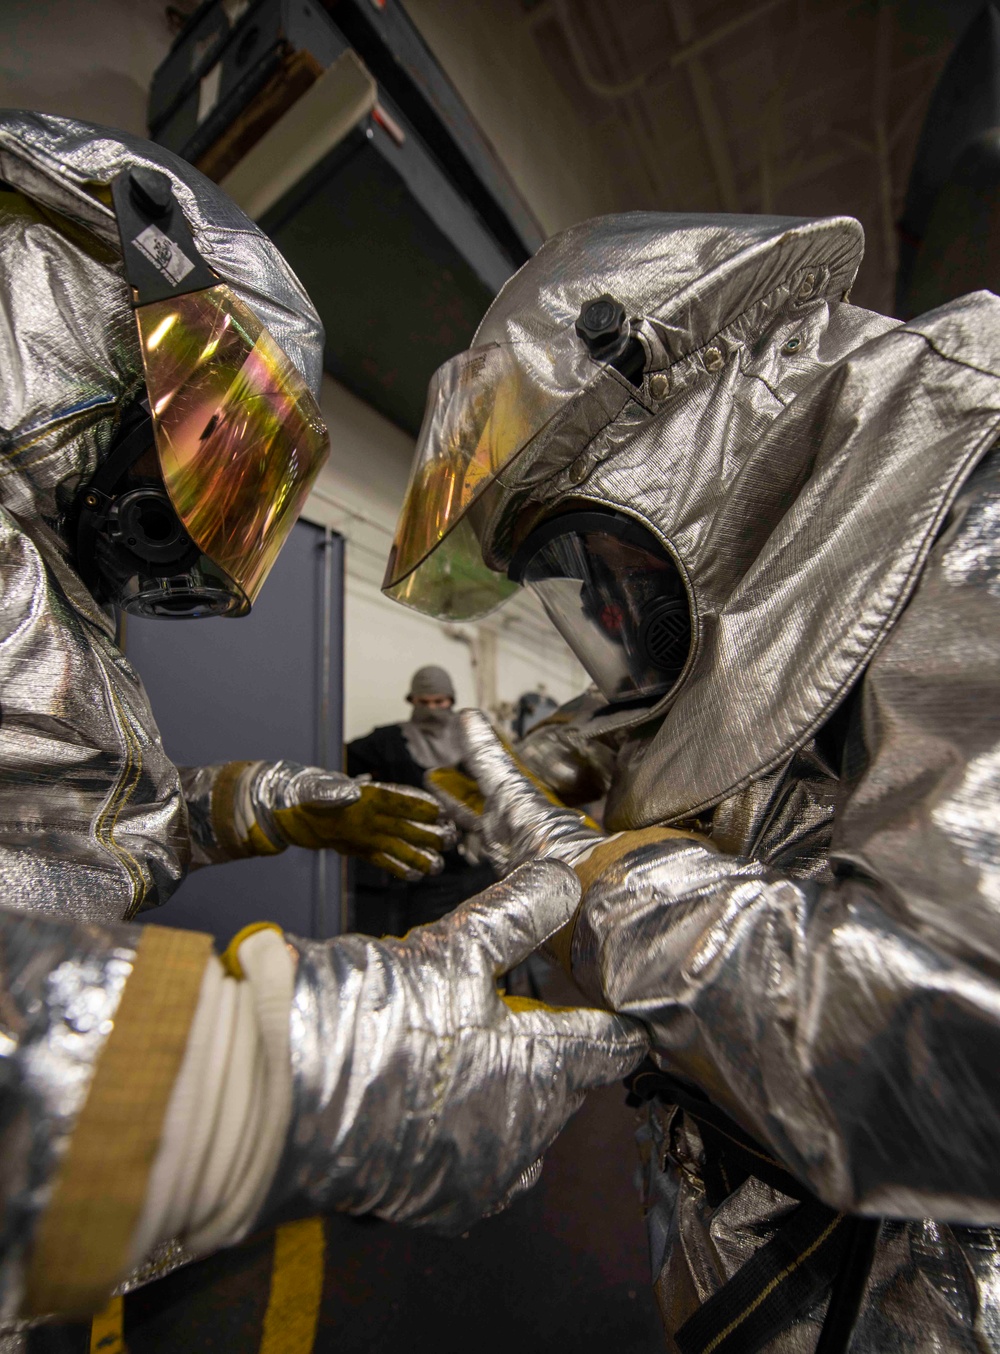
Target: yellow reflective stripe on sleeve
(223, 814)
(81, 1247)
(107, 1330)
(296, 1288)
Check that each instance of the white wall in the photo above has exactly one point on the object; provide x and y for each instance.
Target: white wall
(89, 59)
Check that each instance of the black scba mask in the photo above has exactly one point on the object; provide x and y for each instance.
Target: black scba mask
(131, 548)
(615, 595)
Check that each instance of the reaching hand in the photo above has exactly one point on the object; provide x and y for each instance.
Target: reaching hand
(392, 826)
(519, 820)
(422, 1095)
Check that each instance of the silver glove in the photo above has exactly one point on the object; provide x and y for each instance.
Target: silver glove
(420, 1095)
(518, 822)
(259, 808)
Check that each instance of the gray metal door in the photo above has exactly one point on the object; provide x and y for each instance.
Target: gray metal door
(267, 686)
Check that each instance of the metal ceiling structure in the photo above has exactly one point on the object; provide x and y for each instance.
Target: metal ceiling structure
(793, 107)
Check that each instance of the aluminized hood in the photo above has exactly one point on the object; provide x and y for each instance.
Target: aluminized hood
(796, 455)
(71, 355)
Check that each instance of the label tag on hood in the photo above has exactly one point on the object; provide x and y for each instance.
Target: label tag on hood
(164, 254)
(161, 258)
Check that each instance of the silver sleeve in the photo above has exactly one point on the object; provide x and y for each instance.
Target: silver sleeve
(418, 1095)
(197, 783)
(577, 768)
(254, 795)
(61, 983)
(853, 1026)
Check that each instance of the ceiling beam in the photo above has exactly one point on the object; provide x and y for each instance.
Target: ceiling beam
(695, 47)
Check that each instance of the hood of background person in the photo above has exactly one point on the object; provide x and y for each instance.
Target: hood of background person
(794, 454)
(431, 681)
(70, 356)
(433, 737)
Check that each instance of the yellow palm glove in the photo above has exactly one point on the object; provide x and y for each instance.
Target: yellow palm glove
(392, 826)
(260, 808)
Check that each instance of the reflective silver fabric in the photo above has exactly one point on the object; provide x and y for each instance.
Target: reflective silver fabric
(61, 983)
(828, 976)
(419, 1095)
(874, 448)
(59, 163)
(93, 822)
(562, 751)
(518, 822)
(852, 1025)
(776, 435)
(91, 819)
(262, 788)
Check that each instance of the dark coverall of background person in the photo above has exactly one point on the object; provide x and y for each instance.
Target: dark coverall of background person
(403, 753)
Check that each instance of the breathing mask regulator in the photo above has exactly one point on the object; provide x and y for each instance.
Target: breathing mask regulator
(614, 594)
(188, 510)
(131, 548)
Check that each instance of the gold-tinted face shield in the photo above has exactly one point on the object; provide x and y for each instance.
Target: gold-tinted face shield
(237, 432)
(484, 407)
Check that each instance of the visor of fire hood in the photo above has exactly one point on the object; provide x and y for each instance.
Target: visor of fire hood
(484, 407)
(238, 433)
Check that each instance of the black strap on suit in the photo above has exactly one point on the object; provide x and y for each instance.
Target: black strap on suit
(815, 1249)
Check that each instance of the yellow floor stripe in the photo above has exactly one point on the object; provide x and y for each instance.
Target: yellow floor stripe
(107, 1330)
(296, 1288)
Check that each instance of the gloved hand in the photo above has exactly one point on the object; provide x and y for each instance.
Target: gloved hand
(461, 797)
(421, 1095)
(392, 826)
(520, 820)
(293, 1077)
(260, 808)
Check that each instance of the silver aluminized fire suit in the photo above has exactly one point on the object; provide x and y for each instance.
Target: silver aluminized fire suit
(822, 963)
(151, 1093)
(95, 820)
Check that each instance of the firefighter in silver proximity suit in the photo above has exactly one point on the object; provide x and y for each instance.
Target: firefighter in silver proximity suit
(160, 432)
(94, 819)
(768, 522)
